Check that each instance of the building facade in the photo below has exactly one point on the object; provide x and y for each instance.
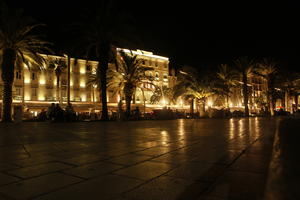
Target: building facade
(37, 89)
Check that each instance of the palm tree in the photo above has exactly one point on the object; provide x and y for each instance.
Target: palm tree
(267, 69)
(227, 79)
(18, 44)
(162, 93)
(245, 68)
(58, 65)
(289, 83)
(194, 87)
(102, 29)
(127, 77)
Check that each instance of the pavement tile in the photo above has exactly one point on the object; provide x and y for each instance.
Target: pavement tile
(155, 151)
(37, 170)
(210, 198)
(5, 179)
(166, 188)
(82, 159)
(104, 187)
(173, 158)
(129, 159)
(34, 160)
(30, 188)
(6, 166)
(145, 171)
(225, 157)
(197, 171)
(252, 163)
(92, 170)
(239, 185)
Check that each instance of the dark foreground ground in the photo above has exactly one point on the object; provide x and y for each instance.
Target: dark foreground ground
(211, 159)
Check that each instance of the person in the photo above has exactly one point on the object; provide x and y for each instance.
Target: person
(70, 113)
(51, 112)
(42, 116)
(59, 113)
(27, 114)
(137, 113)
(120, 110)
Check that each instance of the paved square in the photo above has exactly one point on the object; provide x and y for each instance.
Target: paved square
(172, 159)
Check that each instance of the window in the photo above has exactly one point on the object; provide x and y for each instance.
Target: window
(18, 91)
(33, 76)
(18, 75)
(88, 68)
(34, 92)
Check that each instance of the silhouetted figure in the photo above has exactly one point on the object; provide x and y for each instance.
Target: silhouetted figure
(137, 113)
(42, 116)
(51, 112)
(70, 113)
(27, 114)
(59, 113)
(120, 111)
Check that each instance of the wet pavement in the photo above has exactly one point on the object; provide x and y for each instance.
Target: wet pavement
(212, 159)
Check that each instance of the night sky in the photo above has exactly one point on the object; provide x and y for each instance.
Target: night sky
(198, 34)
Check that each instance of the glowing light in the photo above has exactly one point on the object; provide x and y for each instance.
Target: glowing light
(83, 97)
(42, 98)
(143, 53)
(25, 66)
(27, 97)
(42, 81)
(82, 84)
(181, 102)
(71, 83)
(26, 80)
(230, 104)
(209, 103)
(82, 70)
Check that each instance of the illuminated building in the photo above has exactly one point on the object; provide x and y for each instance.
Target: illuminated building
(36, 89)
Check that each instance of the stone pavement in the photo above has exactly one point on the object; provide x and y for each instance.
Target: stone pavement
(211, 159)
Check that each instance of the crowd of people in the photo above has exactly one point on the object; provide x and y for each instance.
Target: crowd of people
(57, 114)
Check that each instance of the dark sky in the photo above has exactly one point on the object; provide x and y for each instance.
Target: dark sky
(193, 33)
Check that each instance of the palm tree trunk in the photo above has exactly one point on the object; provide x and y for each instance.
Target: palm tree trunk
(296, 102)
(128, 91)
(202, 108)
(144, 100)
(286, 100)
(271, 104)
(128, 98)
(104, 57)
(69, 80)
(245, 94)
(7, 66)
(192, 107)
(57, 88)
(227, 101)
(270, 97)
